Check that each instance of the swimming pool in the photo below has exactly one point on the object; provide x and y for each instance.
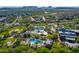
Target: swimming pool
(35, 41)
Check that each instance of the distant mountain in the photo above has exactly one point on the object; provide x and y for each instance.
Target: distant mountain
(67, 8)
(35, 8)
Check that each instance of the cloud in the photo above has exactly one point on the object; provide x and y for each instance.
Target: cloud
(25, 3)
(39, 2)
(66, 3)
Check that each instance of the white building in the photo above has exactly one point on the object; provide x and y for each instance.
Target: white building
(40, 30)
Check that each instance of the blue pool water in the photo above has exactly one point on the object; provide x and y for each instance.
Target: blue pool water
(35, 41)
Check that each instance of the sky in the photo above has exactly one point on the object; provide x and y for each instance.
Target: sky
(39, 3)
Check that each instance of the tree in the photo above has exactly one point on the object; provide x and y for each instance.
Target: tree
(49, 36)
(31, 51)
(57, 47)
(6, 50)
(20, 49)
(76, 20)
(26, 35)
(36, 35)
(77, 39)
(17, 43)
(43, 50)
(75, 50)
(52, 36)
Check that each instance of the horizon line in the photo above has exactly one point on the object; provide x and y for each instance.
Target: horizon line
(39, 6)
